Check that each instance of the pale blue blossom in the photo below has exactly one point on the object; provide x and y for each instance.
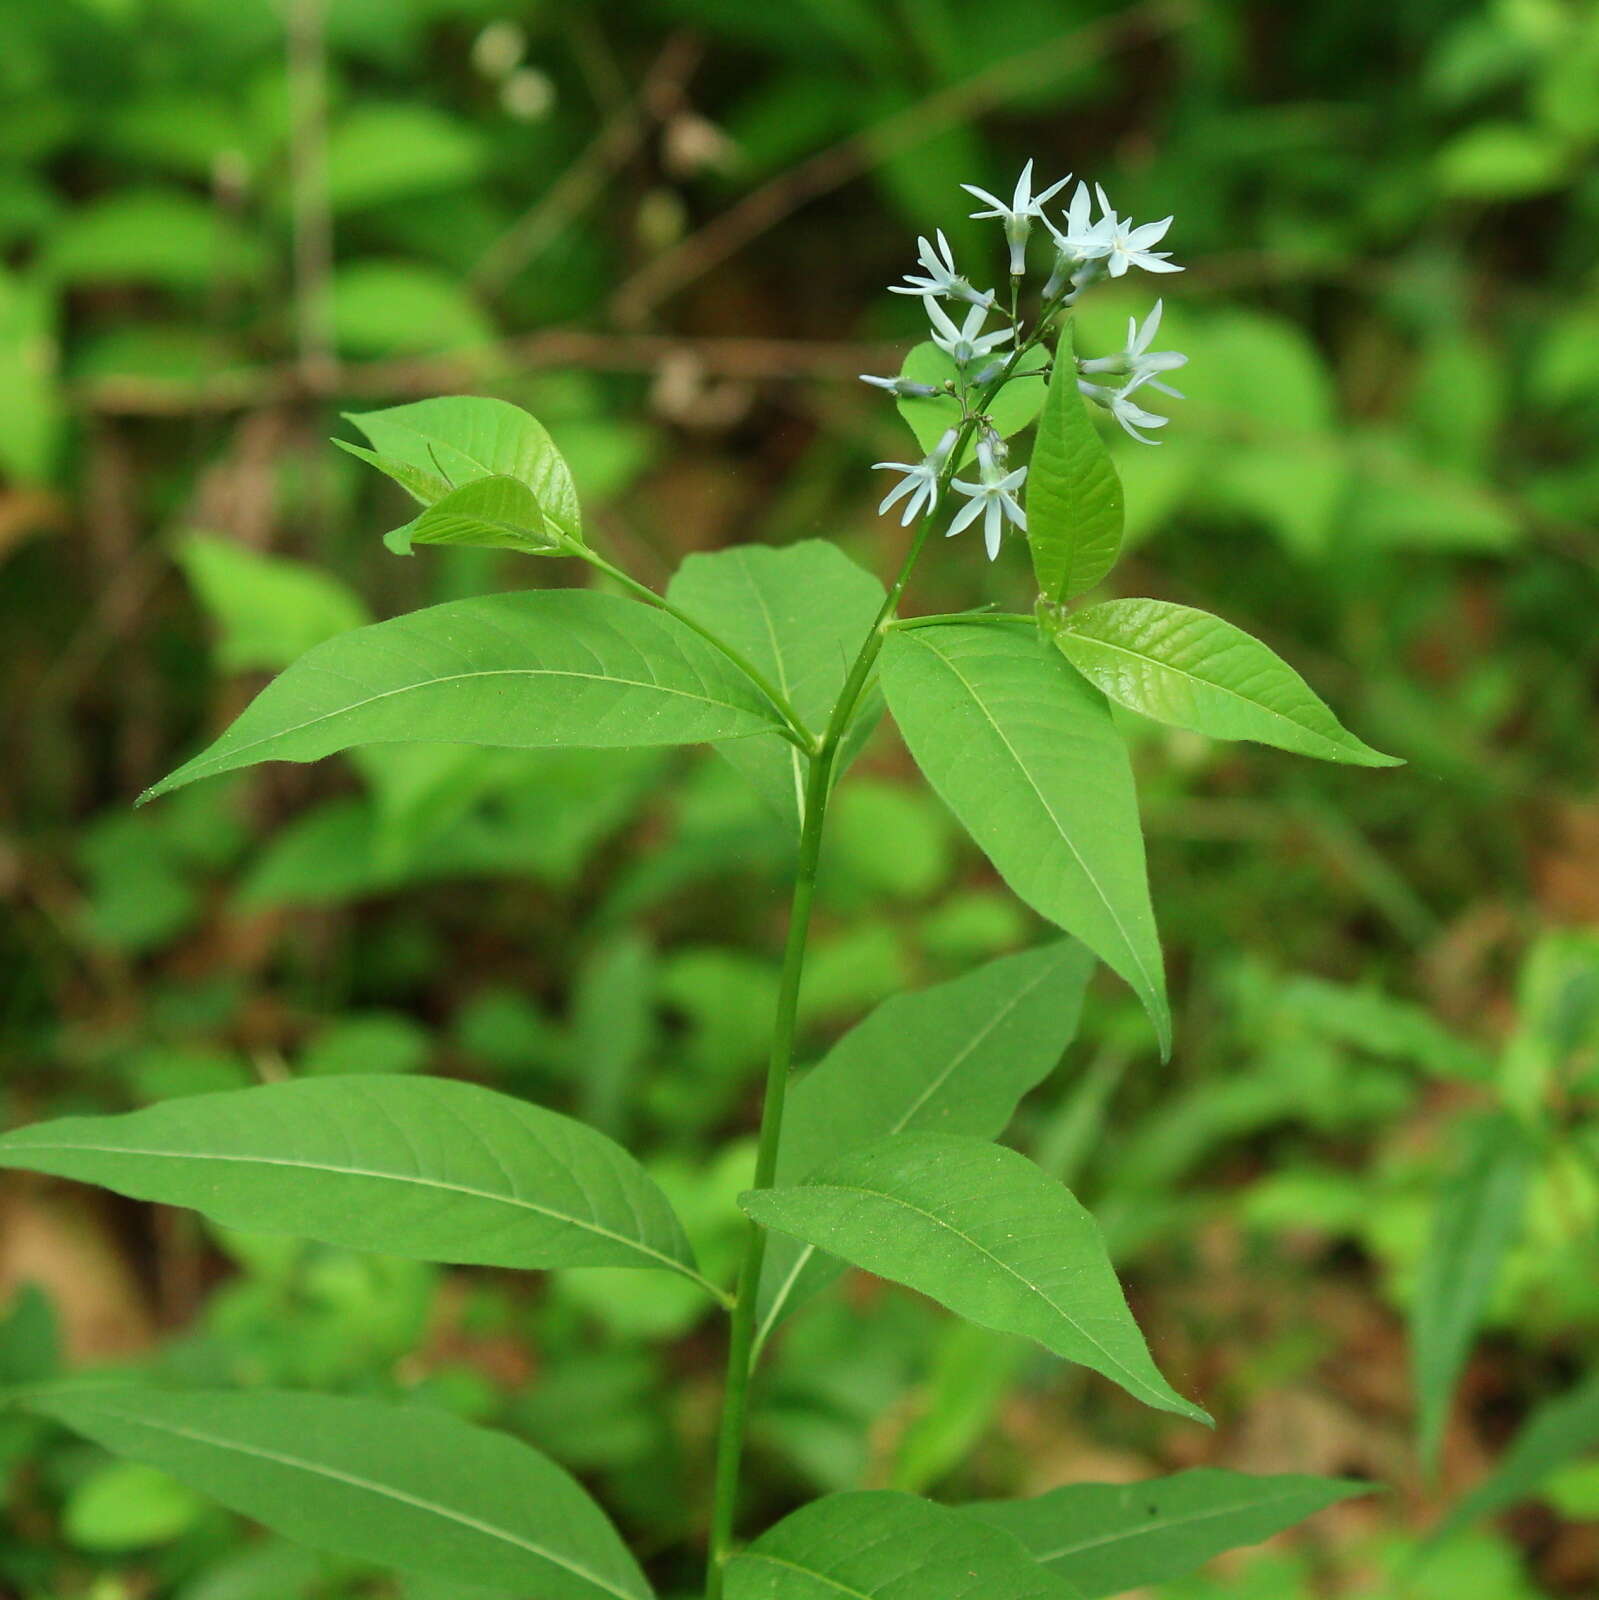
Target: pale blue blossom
(904, 388)
(1137, 360)
(1121, 245)
(1018, 215)
(968, 342)
(940, 277)
(1124, 408)
(993, 498)
(920, 481)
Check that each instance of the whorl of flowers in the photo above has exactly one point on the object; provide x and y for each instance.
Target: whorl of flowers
(1084, 250)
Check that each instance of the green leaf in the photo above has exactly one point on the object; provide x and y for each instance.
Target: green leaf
(883, 1545)
(1192, 670)
(1074, 498)
(1477, 1220)
(427, 1168)
(163, 236)
(378, 154)
(500, 513)
(799, 614)
(1559, 1432)
(397, 308)
(1022, 749)
(424, 487)
(407, 1487)
(955, 1058)
(1011, 410)
(1107, 1538)
(534, 670)
(128, 1506)
(267, 610)
(463, 437)
(983, 1231)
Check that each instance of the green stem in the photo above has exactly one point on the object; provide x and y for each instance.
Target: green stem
(794, 729)
(823, 753)
(741, 1342)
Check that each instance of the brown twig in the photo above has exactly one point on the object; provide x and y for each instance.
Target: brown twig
(554, 347)
(901, 130)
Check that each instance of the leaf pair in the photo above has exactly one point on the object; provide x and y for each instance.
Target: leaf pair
(486, 471)
(1077, 1543)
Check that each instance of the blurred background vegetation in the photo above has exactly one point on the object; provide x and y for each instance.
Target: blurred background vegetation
(665, 227)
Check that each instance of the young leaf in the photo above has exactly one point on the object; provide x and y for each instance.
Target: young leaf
(1558, 1432)
(407, 1487)
(955, 1058)
(1195, 671)
(1477, 1221)
(982, 1230)
(423, 487)
(428, 1168)
(500, 513)
(1074, 498)
(1106, 1538)
(460, 438)
(1011, 410)
(529, 670)
(799, 614)
(1022, 749)
(879, 1544)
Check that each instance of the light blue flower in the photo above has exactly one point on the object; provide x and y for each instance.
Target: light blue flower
(941, 279)
(1018, 215)
(920, 481)
(1137, 360)
(993, 498)
(967, 343)
(1123, 408)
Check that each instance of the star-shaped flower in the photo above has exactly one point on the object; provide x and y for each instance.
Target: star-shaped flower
(993, 499)
(1121, 245)
(1137, 360)
(968, 342)
(1123, 408)
(920, 481)
(1018, 215)
(941, 279)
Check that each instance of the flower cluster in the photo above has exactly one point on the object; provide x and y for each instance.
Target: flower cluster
(1085, 249)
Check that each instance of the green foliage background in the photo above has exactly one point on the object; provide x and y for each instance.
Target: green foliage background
(664, 226)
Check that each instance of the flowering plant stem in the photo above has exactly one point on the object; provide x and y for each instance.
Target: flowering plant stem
(742, 1352)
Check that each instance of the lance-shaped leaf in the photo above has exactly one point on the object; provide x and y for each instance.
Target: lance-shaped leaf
(499, 513)
(459, 438)
(930, 417)
(983, 1231)
(1074, 497)
(1477, 1221)
(1558, 1432)
(879, 1544)
(1106, 1538)
(533, 670)
(1193, 670)
(799, 614)
(409, 1166)
(407, 1487)
(955, 1058)
(1022, 749)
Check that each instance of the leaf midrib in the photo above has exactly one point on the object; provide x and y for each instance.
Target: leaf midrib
(417, 1181)
(317, 1469)
(1208, 683)
(781, 1297)
(1055, 821)
(234, 751)
(1167, 1523)
(1133, 1381)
